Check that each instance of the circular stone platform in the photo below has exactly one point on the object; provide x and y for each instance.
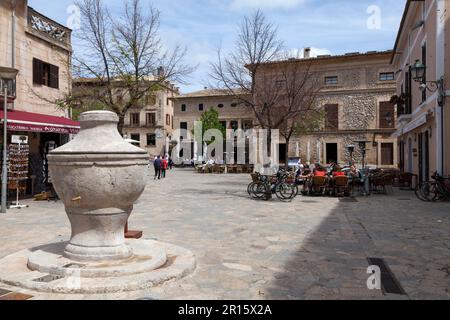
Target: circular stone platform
(45, 269)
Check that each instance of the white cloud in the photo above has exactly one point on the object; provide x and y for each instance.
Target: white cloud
(298, 53)
(271, 4)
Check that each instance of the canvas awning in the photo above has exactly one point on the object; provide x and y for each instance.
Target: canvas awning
(36, 122)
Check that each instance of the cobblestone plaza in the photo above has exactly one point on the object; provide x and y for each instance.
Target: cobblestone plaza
(311, 248)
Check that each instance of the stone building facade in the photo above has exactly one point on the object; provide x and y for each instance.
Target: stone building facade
(423, 116)
(188, 108)
(41, 50)
(357, 86)
(355, 95)
(152, 123)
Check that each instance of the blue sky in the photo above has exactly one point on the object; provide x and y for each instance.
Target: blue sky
(328, 26)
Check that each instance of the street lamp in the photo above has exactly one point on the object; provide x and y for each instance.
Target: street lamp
(7, 77)
(365, 173)
(418, 73)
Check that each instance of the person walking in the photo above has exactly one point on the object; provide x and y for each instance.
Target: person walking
(164, 166)
(158, 165)
(170, 163)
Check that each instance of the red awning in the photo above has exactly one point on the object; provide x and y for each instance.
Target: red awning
(36, 122)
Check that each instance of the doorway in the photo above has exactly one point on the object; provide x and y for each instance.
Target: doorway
(282, 153)
(332, 153)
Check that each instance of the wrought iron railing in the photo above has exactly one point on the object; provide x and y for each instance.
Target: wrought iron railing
(48, 28)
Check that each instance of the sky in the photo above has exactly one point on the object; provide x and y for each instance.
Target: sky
(203, 26)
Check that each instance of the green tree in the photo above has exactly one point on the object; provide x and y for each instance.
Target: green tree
(210, 120)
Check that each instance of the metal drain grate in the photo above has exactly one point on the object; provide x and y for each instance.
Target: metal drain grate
(389, 283)
(348, 200)
(48, 278)
(74, 265)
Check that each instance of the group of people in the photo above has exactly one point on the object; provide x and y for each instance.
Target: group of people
(161, 165)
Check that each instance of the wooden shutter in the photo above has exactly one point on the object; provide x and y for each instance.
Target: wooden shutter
(54, 77)
(332, 117)
(38, 69)
(387, 154)
(386, 110)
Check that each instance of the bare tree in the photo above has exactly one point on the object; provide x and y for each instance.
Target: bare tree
(123, 57)
(296, 110)
(257, 44)
(281, 92)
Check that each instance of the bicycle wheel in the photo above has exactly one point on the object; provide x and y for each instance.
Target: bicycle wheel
(249, 188)
(259, 190)
(285, 191)
(429, 191)
(418, 193)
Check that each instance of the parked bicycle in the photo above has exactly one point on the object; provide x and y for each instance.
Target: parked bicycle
(264, 187)
(436, 190)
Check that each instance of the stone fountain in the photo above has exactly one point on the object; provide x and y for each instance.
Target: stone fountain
(98, 176)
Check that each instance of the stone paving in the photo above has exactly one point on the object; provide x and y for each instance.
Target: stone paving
(311, 248)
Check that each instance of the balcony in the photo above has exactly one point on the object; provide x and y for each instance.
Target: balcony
(43, 27)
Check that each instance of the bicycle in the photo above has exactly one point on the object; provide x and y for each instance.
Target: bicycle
(434, 191)
(263, 187)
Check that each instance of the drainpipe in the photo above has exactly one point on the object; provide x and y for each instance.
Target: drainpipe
(13, 39)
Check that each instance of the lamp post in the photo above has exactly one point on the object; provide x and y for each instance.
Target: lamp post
(365, 174)
(7, 75)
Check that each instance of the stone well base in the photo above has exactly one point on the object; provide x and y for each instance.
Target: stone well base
(45, 269)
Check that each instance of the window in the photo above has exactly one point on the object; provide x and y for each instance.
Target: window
(331, 80)
(387, 76)
(201, 107)
(136, 137)
(331, 117)
(220, 106)
(119, 99)
(183, 108)
(387, 154)
(172, 121)
(234, 125)
(183, 127)
(168, 119)
(45, 74)
(151, 139)
(150, 119)
(408, 93)
(247, 125)
(234, 105)
(135, 119)
(386, 115)
(424, 61)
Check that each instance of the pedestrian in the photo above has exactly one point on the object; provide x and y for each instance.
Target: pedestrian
(164, 166)
(157, 164)
(170, 163)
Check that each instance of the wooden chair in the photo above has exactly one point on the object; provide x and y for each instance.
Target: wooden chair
(318, 185)
(341, 186)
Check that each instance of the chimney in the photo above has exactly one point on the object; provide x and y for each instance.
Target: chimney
(160, 72)
(307, 53)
